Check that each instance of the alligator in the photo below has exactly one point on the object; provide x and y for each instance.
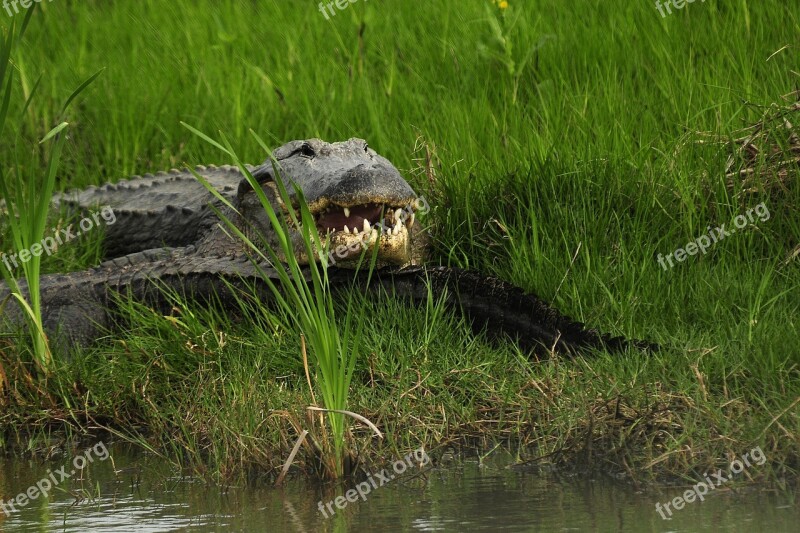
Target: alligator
(167, 234)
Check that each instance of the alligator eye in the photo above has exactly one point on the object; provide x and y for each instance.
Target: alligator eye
(366, 148)
(307, 151)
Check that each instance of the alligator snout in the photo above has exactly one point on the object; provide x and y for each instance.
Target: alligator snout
(362, 185)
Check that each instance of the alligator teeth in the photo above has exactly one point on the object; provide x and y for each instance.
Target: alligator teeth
(366, 226)
(389, 232)
(397, 214)
(410, 221)
(346, 212)
(346, 229)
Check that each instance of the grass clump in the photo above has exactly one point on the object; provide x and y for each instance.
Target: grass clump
(307, 305)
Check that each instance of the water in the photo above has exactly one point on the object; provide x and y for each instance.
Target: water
(459, 496)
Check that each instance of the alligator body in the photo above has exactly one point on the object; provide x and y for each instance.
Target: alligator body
(166, 229)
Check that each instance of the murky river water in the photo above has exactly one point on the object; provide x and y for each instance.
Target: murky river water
(461, 496)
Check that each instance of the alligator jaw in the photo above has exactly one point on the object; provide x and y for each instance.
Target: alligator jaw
(349, 230)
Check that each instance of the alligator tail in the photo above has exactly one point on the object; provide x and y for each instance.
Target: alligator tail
(502, 309)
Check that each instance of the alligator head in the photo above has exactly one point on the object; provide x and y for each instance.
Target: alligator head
(358, 199)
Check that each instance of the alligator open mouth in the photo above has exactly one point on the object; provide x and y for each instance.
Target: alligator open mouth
(349, 230)
(363, 219)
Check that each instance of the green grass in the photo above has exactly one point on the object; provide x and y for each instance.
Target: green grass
(28, 206)
(306, 305)
(567, 178)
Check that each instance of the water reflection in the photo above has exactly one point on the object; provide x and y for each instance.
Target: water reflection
(134, 492)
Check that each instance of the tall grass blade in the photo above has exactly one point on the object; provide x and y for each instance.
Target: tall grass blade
(28, 206)
(81, 88)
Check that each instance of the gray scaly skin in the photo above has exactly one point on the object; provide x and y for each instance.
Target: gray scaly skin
(174, 209)
(167, 231)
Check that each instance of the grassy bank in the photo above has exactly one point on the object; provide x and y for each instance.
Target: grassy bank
(559, 151)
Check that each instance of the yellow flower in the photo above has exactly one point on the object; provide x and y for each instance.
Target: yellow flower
(503, 4)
